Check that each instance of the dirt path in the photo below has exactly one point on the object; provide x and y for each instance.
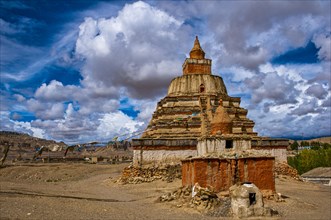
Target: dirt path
(88, 191)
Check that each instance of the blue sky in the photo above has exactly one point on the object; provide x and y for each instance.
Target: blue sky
(79, 71)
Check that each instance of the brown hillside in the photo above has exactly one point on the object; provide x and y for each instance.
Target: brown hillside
(321, 139)
(16, 140)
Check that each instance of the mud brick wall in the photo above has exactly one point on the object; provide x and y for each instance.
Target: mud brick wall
(197, 66)
(223, 173)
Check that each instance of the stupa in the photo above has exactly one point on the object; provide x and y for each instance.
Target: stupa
(198, 117)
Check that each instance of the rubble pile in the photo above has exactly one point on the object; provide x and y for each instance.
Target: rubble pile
(199, 198)
(206, 201)
(135, 175)
(204, 198)
(183, 194)
(286, 170)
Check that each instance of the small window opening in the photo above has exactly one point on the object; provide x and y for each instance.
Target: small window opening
(228, 144)
(202, 88)
(252, 198)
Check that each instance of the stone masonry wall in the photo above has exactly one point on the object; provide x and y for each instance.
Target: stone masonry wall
(275, 147)
(279, 153)
(160, 151)
(161, 156)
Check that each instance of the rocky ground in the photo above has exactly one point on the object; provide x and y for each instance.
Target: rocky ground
(92, 191)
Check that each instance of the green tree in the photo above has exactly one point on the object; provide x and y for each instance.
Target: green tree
(310, 159)
(326, 145)
(304, 143)
(315, 147)
(294, 145)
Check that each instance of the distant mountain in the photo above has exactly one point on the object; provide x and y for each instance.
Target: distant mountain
(16, 139)
(321, 139)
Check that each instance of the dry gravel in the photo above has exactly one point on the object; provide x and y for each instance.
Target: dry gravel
(87, 191)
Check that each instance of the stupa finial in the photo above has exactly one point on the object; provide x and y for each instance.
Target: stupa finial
(197, 52)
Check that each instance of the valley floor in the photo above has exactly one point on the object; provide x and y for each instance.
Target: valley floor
(88, 191)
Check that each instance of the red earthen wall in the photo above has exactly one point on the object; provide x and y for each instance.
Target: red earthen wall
(186, 178)
(221, 173)
(192, 68)
(200, 172)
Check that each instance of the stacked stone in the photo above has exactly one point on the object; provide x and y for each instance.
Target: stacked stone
(175, 118)
(201, 199)
(204, 198)
(286, 170)
(135, 175)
